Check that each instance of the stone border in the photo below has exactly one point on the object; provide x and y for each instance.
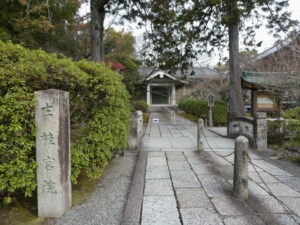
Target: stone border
(133, 207)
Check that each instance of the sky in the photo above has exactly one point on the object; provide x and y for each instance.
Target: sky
(262, 34)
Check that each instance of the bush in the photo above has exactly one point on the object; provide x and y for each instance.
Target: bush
(275, 136)
(140, 105)
(200, 109)
(293, 124)
(99, 109)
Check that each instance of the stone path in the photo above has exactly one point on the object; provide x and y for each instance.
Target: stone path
(174, 184)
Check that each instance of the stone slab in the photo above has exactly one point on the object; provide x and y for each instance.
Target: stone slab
(262, 177)
(215, 186)
(281, 219)
(255, 189)
(192, 198)
(265, 205)
(184, 179)
(282, 190)
(171, 156)
(160, 210)
(158, 187)
(292, 203)
(157, 172)
(200, 216)
(203, 168)
(183, 142)
(156, 154)
(155, 143)
(156, 161)
(179, 165)
(244, 220)
(230, 206)
(293, 182)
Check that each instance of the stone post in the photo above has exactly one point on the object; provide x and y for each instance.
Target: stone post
(173, 98)
(240, 175)
(261, 131)
(135, 131)
(200, 135)
(148, 94)
(53, 152)
(210, 117)
(140, 125)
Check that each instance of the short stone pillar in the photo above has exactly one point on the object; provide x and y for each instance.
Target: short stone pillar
(136, 123)
(210, 117)
(140, 126)
(53, 152)
(200, 135)
(261, 131)
(240, 175)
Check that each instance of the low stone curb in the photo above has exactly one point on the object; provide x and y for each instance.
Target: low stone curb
(133, 208)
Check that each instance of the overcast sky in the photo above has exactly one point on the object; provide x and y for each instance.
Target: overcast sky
(261, 34)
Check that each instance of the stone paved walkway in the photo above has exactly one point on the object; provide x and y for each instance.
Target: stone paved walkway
(174, 184)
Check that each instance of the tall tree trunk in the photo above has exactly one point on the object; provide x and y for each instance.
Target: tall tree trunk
(97, 31)
(235, 89)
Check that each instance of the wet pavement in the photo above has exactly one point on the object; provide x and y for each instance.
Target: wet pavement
(175, 184)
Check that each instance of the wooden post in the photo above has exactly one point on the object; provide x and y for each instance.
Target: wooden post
(53, 152)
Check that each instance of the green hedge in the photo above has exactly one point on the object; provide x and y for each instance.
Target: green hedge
(99, 109)
(140, 105)
(200, 109)
(293, 124)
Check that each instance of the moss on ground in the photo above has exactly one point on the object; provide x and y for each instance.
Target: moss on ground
(189, 116)
(23, 211)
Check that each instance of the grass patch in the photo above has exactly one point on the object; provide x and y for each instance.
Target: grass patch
(23, 211)
(189, 116)
(146, 117)
(82, 190)
(292, 159)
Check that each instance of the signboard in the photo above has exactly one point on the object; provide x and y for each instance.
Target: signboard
(211, 100)
(266, 102)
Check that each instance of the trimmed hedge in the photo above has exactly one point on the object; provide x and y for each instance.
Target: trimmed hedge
(140, 105)
(99, 109)
(200, 108)
(293, 124)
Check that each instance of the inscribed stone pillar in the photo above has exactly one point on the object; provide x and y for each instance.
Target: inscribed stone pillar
(148, 95)
(261, 131)
(53, 152)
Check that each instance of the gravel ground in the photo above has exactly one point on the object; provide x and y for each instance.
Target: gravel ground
(106, 204)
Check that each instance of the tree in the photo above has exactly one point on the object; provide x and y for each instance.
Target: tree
(119, 48)
(181, 30)
(40, 24)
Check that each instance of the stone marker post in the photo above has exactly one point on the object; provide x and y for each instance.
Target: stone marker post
(261, 131)
(240, 175)
(210, 103)
(53, 152)
(140, 126)
(136, 131)
(200, 135)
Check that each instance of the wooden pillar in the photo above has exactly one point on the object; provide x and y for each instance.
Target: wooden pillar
(253, 102)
